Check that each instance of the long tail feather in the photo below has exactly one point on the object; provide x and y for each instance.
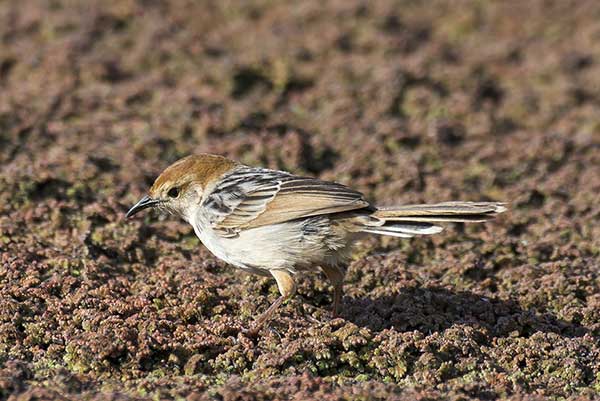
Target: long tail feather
(443, 212)
(404, 230)
(410, 220)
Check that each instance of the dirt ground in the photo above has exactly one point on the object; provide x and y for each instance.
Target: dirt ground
(407, 101)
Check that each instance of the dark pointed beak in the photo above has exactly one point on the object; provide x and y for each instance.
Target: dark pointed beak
(143, 203)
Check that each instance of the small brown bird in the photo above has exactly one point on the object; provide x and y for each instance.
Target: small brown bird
(275, 223)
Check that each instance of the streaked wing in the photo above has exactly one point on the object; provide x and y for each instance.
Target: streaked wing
(253, 197)
(303, 197)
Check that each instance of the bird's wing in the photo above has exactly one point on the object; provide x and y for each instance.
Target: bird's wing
(253, 197)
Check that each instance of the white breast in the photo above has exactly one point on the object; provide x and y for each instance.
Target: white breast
(291, 245)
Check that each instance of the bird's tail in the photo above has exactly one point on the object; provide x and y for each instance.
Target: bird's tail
(410, 220)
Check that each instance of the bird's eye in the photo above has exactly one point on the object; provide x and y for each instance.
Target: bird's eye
(173, 192)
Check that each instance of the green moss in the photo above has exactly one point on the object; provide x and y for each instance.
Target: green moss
(73, 360)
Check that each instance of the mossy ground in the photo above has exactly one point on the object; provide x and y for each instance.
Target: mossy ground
(406, 101)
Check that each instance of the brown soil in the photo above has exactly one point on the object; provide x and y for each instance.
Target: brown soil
(407, 101)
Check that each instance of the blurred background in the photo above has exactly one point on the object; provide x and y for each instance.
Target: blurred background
(407, 101)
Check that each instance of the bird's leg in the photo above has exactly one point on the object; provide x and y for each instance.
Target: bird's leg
(287, 288)
(335, 275)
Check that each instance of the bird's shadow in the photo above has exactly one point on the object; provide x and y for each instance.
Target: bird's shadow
(435, 309)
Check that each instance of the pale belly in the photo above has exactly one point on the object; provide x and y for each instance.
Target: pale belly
(298, 245)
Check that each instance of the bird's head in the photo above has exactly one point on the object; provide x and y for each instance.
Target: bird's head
(180, 187)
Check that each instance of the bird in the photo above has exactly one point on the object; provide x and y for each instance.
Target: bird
(274, 223)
